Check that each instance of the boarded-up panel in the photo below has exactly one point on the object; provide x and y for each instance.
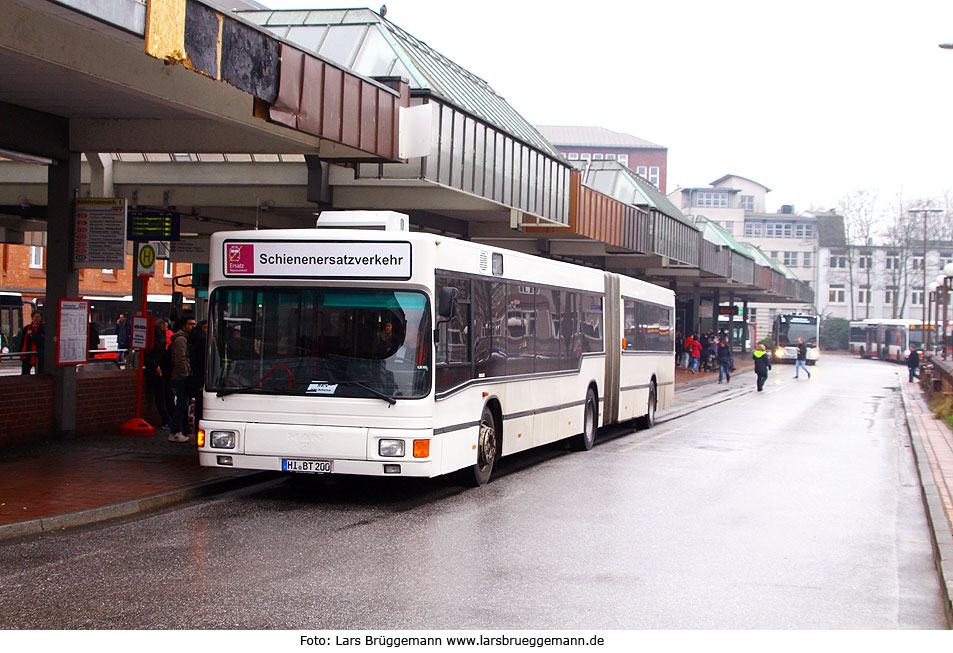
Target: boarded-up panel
(165, 30)
(202, 31)
(250, 60)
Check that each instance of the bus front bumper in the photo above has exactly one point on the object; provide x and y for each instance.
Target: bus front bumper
(397, 467)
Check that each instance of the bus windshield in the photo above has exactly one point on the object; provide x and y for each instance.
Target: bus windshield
(319, 342)
(790, 328)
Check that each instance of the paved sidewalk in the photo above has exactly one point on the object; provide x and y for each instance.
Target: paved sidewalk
(933, 447)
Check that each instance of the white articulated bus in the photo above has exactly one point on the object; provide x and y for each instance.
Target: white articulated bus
(361, 351)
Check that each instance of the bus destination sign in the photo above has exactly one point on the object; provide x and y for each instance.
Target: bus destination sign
(152, 225)
(317, 259)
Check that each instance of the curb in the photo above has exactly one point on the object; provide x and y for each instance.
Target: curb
(940, 528)
(138, 506)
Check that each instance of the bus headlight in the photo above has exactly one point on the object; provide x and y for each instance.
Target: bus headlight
(222, 439)
(779, 353)
(391, 448)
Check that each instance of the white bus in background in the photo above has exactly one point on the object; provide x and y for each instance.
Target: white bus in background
(386, 352)
(896, 336)
(788, 328)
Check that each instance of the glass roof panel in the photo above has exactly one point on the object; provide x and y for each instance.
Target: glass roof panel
(288, 18)
(342, 43)
(376, 56)
(324, 16)
(158, 156)
(265, 158)
(308, 37)
(212, 158)
(292, 158)
(237, 157)
(257, 17)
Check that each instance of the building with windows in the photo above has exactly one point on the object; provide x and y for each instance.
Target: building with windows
(648, 160)
(737, 205)
(874, 281)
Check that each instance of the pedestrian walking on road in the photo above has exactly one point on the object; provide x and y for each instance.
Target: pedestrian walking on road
(696, 353)
(687, 347)
(913, 364)
(762, 363)
(181, 371)
(801, 361)
(725, 362)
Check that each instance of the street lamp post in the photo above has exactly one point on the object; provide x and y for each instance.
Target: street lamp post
(932, 297)
(923, 264)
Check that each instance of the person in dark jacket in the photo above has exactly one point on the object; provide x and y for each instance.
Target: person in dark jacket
(724, 361)
(198, 341)
(156, 367)
(913, 364)
(801, 362)
(31, 339)
(762, 363)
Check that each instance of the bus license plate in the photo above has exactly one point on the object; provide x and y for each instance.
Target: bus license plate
(306, 466)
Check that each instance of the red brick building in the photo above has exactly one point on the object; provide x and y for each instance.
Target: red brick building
(648, 160)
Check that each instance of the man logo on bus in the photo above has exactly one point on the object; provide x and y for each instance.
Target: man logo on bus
(240, 259)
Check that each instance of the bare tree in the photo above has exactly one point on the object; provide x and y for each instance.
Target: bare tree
(861, 211)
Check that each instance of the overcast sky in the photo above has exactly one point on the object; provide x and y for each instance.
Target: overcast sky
(812, 99)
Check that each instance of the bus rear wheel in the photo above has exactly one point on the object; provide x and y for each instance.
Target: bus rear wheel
(648, 420)
(587, 439)
(488, 449)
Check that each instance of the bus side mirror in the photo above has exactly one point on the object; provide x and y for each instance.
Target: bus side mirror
(447, 302)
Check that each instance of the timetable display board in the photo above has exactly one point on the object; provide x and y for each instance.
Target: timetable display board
(99, 233)
(153, 225)
(72, 344)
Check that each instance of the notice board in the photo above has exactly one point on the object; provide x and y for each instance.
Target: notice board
(72, 344)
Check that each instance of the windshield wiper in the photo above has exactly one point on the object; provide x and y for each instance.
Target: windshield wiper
(376, 393)
(230, 391)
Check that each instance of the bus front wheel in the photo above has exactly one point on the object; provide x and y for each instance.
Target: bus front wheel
(488, 449)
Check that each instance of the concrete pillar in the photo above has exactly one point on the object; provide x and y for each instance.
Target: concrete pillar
(100, 174)
(715, 310)
(747, 331)
(731, 321)
(695, 318)
(62, 281)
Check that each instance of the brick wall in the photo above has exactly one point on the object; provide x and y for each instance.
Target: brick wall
(104, 400)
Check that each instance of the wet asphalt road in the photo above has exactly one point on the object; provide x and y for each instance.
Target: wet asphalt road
(795, 508)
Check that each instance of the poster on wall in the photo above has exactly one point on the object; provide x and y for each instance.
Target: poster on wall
(99, 233)
(73, 336)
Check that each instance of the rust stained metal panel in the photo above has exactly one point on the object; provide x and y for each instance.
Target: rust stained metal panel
(333, 103)
(286, 108)
(311, 112)
(351, 111)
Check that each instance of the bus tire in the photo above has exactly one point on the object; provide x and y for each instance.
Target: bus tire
(488, 449)
(587, 439)
(648, 420)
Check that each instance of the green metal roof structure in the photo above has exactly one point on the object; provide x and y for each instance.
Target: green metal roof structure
(617, 181)
(715, 233)
(362, 41)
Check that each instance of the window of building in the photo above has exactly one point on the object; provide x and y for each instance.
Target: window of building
(807, 259)
(917, 262)
(893, 261)
(747, 202)
(704, 198)
(790, 259)
(597, 156)
(584, 156)
(729, 226)
(838, 261)
(753, 229)
(788, 230)
(774, 255)
(837, 294)
(654, 176)
(916, 297)
(863, 296)
(108, 271)
(624, 159)
(945, 259)
(865, 261)
(168, 268)
(36, 257)
(808, 231)
(642, 171)
(574, 156)
(890, 294)
(610, 157)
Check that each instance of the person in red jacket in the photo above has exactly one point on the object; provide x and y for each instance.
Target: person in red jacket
(696, 354)
(687, 346)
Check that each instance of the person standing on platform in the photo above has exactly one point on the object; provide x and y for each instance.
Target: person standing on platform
(123, 335)
(157, 372)
(725, 363)
(30, 339)
(198, 341)
(181, 371)
(762, 363)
